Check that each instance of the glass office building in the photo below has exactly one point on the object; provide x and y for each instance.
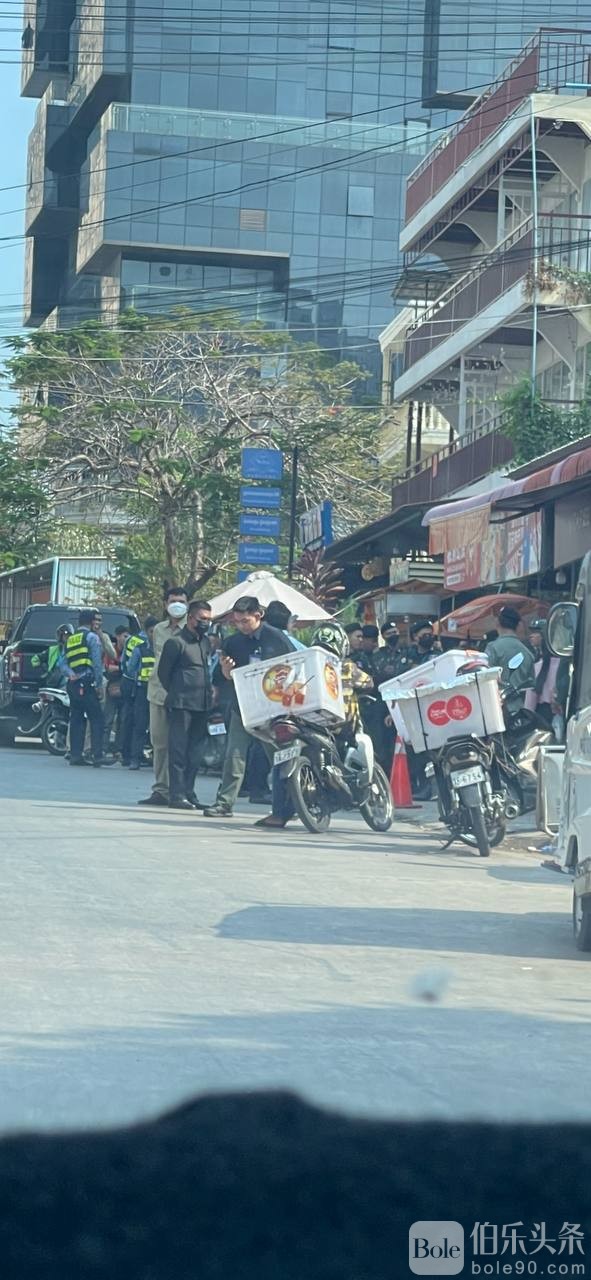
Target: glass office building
(247, 153)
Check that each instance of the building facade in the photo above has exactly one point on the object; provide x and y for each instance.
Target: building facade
(252, 157)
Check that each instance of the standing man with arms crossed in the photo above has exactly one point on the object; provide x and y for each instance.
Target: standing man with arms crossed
(183, 670)
(176, 607)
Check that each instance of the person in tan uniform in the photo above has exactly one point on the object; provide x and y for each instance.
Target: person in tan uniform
(176, 601)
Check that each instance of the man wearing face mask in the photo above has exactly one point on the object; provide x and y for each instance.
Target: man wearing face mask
(176, 608)
(426, 644)
(183, 670)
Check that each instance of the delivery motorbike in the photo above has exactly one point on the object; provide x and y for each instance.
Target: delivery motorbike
(321, 778)
(470, 795)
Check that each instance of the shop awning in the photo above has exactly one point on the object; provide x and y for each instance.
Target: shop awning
(459, 524)
(376, 538)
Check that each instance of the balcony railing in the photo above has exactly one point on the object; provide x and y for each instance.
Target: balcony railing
(553, 58)
(465, 460)
(563, 241)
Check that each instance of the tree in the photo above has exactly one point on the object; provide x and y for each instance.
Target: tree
(152, 416)
(320, 580)
(23, 508)
(536, 428)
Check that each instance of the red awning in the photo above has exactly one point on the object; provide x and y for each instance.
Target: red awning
(455, 525)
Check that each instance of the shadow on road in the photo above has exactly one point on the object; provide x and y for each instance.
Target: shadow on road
(477, 932)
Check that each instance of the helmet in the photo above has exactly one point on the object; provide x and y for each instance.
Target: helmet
(67, 628)
(331, 636)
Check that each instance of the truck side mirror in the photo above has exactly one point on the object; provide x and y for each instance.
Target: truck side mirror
(561, 628)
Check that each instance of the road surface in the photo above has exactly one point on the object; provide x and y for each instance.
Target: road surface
(148, 955)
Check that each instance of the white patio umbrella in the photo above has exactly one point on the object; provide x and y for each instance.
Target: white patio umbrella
(266, 587)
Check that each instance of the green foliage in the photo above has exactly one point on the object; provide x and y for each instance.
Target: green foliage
(23, 507)
(536, 427)
(150, 417)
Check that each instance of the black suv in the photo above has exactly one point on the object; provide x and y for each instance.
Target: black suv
(21, 678)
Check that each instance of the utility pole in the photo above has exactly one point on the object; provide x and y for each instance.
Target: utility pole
(535, 250)
(292, 511)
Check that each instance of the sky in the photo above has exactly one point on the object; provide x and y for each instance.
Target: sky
(17, 116)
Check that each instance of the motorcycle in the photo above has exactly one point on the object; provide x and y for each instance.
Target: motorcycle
(470, 795)
(53, 709)
(321, 781)
(518, 749)
(470, 801)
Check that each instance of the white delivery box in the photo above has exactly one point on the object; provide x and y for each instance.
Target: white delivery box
(306, 683)
(434, 713)
(444, 666)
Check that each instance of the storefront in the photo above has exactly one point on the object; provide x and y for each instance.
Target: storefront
(526, 532)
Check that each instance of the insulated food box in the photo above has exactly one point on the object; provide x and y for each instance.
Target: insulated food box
(444, 666)
(434, 713)
(306, 683)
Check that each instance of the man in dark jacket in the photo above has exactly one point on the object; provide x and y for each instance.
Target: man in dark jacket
(183, 670)
(255, 641)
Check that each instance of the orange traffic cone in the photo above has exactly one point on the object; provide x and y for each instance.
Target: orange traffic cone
(400, 778)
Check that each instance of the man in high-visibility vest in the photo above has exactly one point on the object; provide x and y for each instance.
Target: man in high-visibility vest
(82, 663)
(128, 691)
(139, 668)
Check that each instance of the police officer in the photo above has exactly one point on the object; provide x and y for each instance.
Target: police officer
(82, 663)
(128, 691)
(425, 643)
(140, 666)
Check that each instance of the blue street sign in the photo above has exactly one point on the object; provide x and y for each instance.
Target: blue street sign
(262, 464)
(260, 526)
(258, 553)
(242, 575)
(252, 496)
(316, 526)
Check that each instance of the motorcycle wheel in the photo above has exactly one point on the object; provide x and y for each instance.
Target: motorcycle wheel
(308, 797)
(480, 833)
(54, 736)
(378, 810)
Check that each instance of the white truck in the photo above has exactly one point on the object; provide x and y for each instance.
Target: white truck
(564, 795)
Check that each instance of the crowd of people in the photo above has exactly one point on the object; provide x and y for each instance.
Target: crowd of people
(147, 698)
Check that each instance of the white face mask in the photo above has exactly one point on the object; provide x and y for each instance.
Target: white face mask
(177, 610)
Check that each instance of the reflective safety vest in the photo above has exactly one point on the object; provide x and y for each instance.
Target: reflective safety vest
(130, 644)
(147, 666)
(77, 652)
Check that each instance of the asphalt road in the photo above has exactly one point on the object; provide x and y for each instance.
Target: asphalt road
(148, 955)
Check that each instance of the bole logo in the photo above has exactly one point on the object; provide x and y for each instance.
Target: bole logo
(436, 1248)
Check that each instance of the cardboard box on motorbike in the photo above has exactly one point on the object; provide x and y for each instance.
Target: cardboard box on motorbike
(306, 683)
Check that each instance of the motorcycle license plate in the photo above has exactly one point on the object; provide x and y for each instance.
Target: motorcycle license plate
(468, 776)
(287, 753)
(215, 729)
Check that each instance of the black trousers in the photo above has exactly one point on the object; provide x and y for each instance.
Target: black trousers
(186, 731)
(140, 722)
(85, 706)
(125, 730)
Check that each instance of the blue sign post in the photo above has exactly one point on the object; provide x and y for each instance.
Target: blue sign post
(260, 526)
(262, 464)
(253, 496)
(258, 553)
(265, 465)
